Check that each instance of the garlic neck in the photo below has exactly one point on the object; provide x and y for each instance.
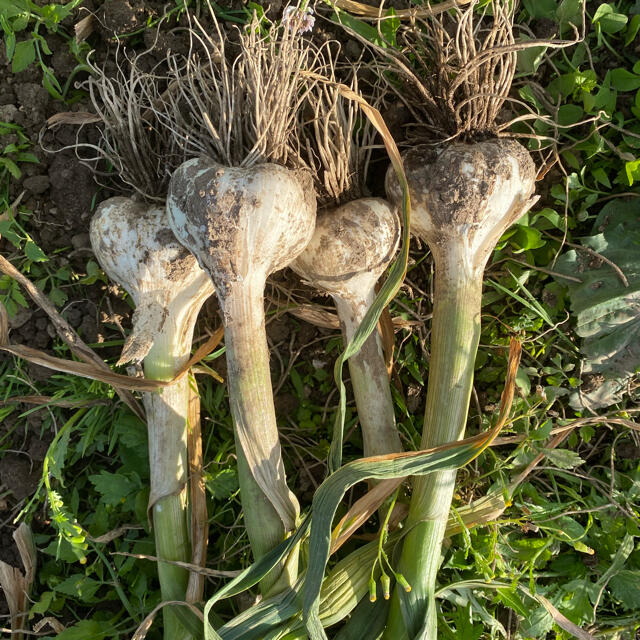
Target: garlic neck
(351, 310)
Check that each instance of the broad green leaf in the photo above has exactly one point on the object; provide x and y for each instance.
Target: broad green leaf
(606, 312)
(569, 114)
(24, 54)
(511, 598)
(632, 30)
(363, 29)
(632, 169)
(562, 86)
(525, 238)
(601, 177)
(523, 382)
(606, 97)
(79, 586)
(114, 487)
(554, 218)
(540, 8)
(34, 252)
(537, 624)
(530, 59)
(86, 629)
(625, 587)
(575, 602)
(622, 553)
(223, 484)
(465, 628)
(569, 13)
(43, 44)
(20, 22)
(129, 432)
(43, 605)
(624, 80)
(58, 296)
(608, 20)
(11, 167)
(7, 232)
(389, 26)
(563, 458)
(25, 156)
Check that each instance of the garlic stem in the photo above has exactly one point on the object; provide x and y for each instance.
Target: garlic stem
(253, 411)
(369, 380)
(455, 334)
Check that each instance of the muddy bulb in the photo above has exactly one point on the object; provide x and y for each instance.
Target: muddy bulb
(135, 246)
(465, 196)
(351, 248)
(243, 224)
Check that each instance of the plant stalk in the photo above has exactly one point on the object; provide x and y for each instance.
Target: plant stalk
(454, 343)
(369, 380)
(253, 411)
(167, 412)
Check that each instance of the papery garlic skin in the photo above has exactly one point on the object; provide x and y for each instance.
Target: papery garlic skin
(137, 249)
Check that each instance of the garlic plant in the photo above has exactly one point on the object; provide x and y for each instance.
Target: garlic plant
(244, 224)
(464, 195)
(245, 206)
(136, 248)
(463, 198)
(351, 248)
(355, 241)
